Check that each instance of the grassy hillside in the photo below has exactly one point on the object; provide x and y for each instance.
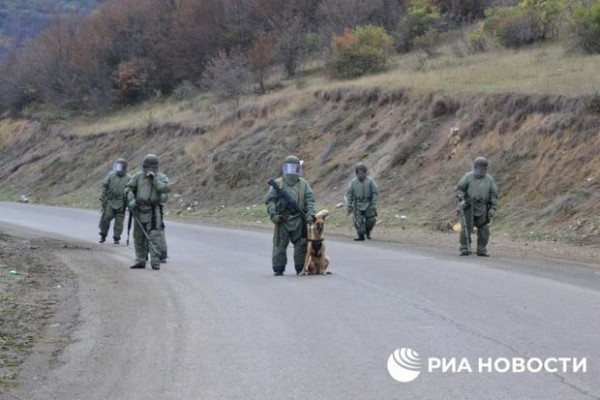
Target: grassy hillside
(535, 114)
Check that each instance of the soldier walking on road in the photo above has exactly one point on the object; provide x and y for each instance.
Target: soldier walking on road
(361, 202)
(290, 219)
(113, 200)
(478, 196)
(145, 192)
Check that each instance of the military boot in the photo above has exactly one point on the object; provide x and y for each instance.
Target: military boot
(117, 240)
(299, 268)
(102, 239)
(482, 253)
(138, 266)
(361, 237)
(155, 266)
(278, 270)
(368, 234)
(163, 257)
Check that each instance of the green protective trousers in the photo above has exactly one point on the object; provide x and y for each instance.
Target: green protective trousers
(163, 243)
(142, 248)
(364, 221)
(483, 231)
(107, 216)
(292, 231)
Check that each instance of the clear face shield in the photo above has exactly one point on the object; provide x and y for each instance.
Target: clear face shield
(119, 168)
(292, 169)
(361, 174)
(480, 170)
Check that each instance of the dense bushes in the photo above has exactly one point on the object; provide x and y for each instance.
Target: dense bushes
(529, 22)
(360, 51)
(585, 26)
(420, 18)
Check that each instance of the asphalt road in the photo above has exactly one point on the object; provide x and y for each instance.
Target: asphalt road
(215, 324)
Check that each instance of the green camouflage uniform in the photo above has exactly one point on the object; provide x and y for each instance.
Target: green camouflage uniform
(480, 196)
(144, 194)
(361, 200)
(289, 224)
(163, 239)
(113, 204)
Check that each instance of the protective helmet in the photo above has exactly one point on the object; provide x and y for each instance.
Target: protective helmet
(292, 166)
(480, 167)
(291, 160)
(481, 162)
(150, 162)
(361, 167)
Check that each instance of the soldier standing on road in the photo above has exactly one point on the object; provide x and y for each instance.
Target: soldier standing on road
(361, 201)
(145, 191)
(290, 225)
(478, 196)
(113, 200)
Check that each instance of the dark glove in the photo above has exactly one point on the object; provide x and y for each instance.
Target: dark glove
(151, 174)
(374, 210)
(275, 218)
(491, 213)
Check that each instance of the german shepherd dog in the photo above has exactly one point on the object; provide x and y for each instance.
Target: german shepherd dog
(316, 261)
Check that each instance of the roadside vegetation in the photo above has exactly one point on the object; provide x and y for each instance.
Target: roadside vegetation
(131, 51)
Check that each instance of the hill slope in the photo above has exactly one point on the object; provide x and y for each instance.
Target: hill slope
(543, 151)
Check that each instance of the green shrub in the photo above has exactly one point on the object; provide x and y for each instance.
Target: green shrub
(585, 26)
(530, 22)
(476, 39)
(361, 51)
(510, 26)
(544, 16)
(420, 18)
(427, 42)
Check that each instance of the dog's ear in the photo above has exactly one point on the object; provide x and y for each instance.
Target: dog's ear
(322, 214)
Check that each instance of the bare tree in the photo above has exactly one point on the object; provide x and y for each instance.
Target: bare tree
(228, 75)
(260, 58)
(290, 44)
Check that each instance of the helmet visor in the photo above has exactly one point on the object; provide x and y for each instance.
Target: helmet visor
(118, 167)
(480, 170)
(292, 169)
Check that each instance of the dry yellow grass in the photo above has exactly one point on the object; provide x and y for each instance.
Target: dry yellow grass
(540, 70)
(203, 110)
(9, 128)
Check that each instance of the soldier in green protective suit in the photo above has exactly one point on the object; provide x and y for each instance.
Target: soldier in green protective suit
(290, 225)
(113, 200)
(361, 201)
(145, 191)
(478, 196)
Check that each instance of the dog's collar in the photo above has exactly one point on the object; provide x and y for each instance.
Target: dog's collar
(315, 240)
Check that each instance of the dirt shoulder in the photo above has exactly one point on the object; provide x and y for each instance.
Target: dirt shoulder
(38, 306)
